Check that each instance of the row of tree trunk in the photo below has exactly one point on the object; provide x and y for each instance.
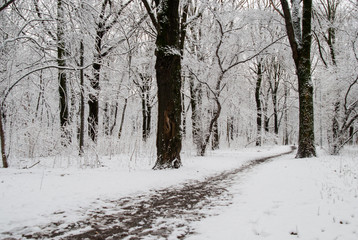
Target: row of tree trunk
(170, 29)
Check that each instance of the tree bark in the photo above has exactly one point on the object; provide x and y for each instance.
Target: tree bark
(146, 105)
(2, 139)
(146, 114)
(258, 104)
(213, 120)
(195, 103)
(285, 106)
(301, 53)
(82, 106)
(215, 137)
(230, 129)
(306, 147)
(275, 109)
(101, 29)
(93, 102)
(106, 118)
(168, 71)
(62, 79)
(122, 118)
(6, 4)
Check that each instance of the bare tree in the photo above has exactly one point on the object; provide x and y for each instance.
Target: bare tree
(62, 79)
(107, 19)
(299, 33)
(345, 103)
(169, 49)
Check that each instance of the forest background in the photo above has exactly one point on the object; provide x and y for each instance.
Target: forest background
(79, 77)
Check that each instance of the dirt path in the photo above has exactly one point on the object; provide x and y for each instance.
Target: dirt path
(158, 214)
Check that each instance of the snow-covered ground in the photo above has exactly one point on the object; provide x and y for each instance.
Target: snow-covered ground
(291, 198)
(286, 198)
(29, 197)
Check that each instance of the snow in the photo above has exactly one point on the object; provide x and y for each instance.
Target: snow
(286, 198)
(291, 198)
(29, 197)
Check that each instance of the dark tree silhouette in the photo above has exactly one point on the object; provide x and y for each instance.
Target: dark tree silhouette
(169, 45)
(300, 37)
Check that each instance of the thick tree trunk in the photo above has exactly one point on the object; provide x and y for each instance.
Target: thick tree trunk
(2, 139)
(62, 89)
(306, 147)
(168, 71)
(301, 53)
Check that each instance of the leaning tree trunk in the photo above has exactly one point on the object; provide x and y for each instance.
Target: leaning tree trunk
(122, 118)
(168, 71)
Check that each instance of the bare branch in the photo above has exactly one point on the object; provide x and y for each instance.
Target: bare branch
(276, 9)
(255, 55)
(348, 91)
(151, 14)
(6, 4)
(115, 20)
(36, 70)
(319, 48)
(183, 25)
(219, 45)
(290, 30)
(42, 21)
(205, 83)
(20, 38)
(347, 140)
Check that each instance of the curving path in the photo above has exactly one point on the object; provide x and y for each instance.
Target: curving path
(165, 213)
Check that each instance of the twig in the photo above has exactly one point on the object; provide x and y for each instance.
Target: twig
(33, 165)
